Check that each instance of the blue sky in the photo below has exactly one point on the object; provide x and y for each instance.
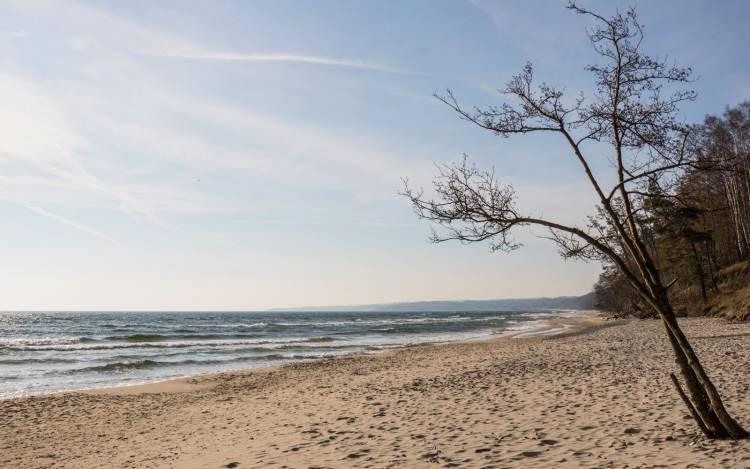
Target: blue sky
(248, 154)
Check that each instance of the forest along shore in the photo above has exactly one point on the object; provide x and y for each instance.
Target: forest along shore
(599, 395)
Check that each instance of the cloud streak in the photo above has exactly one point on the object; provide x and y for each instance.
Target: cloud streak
(276, 57)
(39, 135)
(67, 221)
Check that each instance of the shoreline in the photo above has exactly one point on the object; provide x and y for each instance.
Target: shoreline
(598, 395)
(547, 328)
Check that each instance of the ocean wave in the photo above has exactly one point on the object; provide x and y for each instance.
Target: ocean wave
(28, 361)
(277, 356)
(395, 321)
(118, 367)
(23, 342)
(231, 326)
(158, 344)
(134, 326)
(384, 330)
(320, 339)
(126, 366)
(137, 338)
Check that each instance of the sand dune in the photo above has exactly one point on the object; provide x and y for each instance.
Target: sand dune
(599, 396)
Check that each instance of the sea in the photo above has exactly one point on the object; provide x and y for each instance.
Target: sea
(44, 352)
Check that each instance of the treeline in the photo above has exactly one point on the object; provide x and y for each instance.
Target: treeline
(699, 227)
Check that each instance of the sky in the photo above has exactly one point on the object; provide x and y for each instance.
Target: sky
(192, 155)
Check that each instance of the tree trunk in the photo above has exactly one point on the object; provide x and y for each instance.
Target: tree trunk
(698, 264)
(704, 402)
(711, 255)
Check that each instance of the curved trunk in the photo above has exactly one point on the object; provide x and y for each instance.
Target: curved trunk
(704, 402)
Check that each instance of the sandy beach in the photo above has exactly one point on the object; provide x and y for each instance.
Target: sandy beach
(597, 396)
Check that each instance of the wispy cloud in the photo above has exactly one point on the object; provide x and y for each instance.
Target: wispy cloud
(15, 34)
(38, 135)
(276, 57)
(73, 223)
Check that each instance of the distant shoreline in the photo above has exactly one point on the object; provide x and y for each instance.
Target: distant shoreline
(573, 302)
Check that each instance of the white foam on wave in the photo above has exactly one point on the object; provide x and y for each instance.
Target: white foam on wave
(544, 332)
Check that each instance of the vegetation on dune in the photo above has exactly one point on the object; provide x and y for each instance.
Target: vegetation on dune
(699, 234)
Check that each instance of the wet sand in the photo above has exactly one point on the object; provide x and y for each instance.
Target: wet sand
(598, 395)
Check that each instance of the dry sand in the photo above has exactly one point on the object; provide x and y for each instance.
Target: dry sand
(599, 396)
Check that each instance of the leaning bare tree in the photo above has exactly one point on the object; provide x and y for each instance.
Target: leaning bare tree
(632, 112)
